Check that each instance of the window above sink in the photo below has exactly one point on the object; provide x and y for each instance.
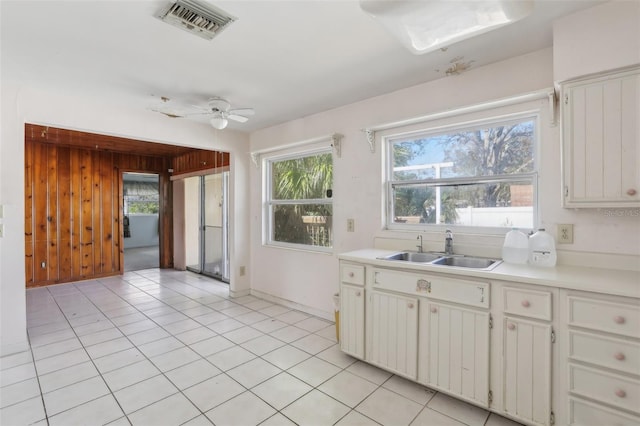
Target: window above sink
(476, 171)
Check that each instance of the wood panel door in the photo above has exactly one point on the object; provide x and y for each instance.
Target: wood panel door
(352, 320)
(458, 351)
(527, 370)
(393, 337)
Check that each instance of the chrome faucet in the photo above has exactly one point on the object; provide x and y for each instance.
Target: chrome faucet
(419, 245)
(448, 242)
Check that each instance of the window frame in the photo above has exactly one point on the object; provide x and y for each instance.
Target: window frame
(456, 123)
(269, 203)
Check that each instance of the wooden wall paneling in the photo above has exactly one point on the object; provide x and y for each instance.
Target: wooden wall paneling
(74, 207)
(166, 221)
(198, 159)
(107, 211)
(65, 220)
(52, 213)
(86, 230)
(28, 212)
(96, 211)
(40, 191)
(118, 215)
(75, 212)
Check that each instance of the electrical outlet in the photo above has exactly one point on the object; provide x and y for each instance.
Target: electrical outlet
(351, 225)
(565, 233)
(1, 230)
(242, 271)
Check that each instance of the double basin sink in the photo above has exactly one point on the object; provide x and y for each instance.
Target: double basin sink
(442, 259)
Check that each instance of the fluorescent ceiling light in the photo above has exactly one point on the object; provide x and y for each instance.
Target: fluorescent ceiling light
(426, 25)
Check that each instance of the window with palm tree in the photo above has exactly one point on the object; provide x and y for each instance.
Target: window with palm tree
(481, 175)
(298, 202)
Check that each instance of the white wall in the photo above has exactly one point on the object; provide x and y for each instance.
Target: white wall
(596, 39)
(21, 104)
(310, 279)
(144, 231)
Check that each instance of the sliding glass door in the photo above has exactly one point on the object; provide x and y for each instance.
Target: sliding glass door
(206, 220)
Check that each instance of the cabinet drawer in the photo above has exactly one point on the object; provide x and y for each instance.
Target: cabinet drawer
(605, 387)
(353, 274)
(587, 414)
(527, 303)
(474, 293)
(612, 317)
(605, 351)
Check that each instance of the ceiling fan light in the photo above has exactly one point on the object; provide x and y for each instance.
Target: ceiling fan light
(219, 122)
(427, 25)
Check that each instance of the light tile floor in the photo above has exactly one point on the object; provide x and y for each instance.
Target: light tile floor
(162, 347)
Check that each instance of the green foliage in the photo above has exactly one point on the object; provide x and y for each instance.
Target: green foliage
(304, 178)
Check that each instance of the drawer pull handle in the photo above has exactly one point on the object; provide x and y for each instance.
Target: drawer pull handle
(358, 294)
(631, 191)
(525, 303)
(351, 274)
(423, 285)
(410, 305)
(619, 320)
(511, 326)
(619, 356)
(620, 393)
(434, 310)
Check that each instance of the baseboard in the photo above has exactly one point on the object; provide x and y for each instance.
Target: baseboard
(13, 348)
(241, 293)
(330, 316)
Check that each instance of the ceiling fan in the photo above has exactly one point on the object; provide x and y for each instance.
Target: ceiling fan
(217, 108)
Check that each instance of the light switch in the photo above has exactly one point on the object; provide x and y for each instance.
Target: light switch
(1, 230)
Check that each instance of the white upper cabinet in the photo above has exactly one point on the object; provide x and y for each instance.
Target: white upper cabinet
(601, 140)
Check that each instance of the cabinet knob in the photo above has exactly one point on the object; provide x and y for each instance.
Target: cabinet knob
(410, 305)
(358, 293)
(525, 303)
(620, 393)
(619, 319)
(434, 310)
(619, 356)
(511, 326)
(351, 274)
(631, 191)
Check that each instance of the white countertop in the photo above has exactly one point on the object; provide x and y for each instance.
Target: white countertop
(599, 280)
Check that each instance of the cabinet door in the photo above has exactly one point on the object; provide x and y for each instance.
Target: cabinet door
(527, 370)
(601, 141)
(393, 339)
(458, 351)
(352, 320)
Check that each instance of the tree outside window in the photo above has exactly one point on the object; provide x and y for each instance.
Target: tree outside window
(474, 176)
(299, 202)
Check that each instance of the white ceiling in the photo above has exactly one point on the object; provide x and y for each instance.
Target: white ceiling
(286, 59)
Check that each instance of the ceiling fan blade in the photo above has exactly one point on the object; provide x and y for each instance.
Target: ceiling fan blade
(242, 111)
(238, 118)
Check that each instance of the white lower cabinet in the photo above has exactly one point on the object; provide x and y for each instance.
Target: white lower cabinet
(527, 370)
(352, 320)
(455, 357)
(393, 333)
(600, 358)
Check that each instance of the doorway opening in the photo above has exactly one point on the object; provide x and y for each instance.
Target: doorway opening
(207, 225)
(141, 226)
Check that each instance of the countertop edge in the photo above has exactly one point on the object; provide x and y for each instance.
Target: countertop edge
(595, 280)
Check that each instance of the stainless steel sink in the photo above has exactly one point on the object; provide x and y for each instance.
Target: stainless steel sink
(410, 256)
(468, 262)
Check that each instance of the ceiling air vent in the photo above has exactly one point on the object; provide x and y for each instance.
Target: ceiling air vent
(201, 19)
